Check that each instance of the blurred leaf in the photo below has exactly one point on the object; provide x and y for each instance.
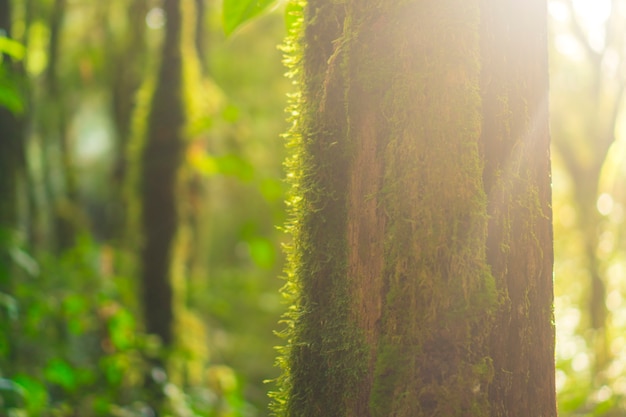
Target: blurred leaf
(11, 47)
(24, 260)
(74, 304)
(9, 385)
(235, 166)
(61, 373)
(230, 165)
(11, 401)
(573, 399)
(76, 309)
(604, 407)
(9, 304)
(122, 329)
(35, 394)
(102, 405)
(230, 113)
(113, 371)
(262, 252)
(10, 94)
(272, 189)
(202, 162)
(236, 12)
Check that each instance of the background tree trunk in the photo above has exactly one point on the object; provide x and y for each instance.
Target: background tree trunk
(422, 259)
(159, 167)
(11, 140)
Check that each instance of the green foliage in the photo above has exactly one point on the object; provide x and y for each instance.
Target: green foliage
(94, 357)
(11, 48)
(11, 95)
(237, 12)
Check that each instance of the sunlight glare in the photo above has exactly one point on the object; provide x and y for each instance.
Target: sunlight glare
(614, 300)
(605, 204)
(611, 61)
(606, 244)
(558, 11)
(560, 379)
(593, 15)
(155, 18)
(603, 394)
(593, 12)
(567, 45)
(615, 273)
(580, 362)
(620, 385)
(617, 346)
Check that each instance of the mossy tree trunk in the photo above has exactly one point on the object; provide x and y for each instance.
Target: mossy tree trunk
(421, 267)
(160, 163)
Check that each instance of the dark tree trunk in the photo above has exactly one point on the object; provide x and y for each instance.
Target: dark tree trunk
(125, 83)
(11, 142)
(159, 167)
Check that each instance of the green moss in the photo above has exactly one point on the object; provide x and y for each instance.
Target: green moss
(324, 357)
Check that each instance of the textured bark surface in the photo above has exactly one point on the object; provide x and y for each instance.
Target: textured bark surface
(159, 167)
(517, 180)
(422, 262)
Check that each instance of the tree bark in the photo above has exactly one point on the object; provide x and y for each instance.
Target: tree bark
(159, 167)
(421, 268)
(516, 142)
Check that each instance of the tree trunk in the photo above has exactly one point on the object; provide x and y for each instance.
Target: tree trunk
(160, 163)
(421, 267)
(125, 83)
(11, 142)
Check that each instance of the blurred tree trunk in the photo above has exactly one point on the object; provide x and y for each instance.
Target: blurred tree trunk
(58, 167)
(422, 259)
(12, 196)
(125, 82)
(160, 162)
(12, 161)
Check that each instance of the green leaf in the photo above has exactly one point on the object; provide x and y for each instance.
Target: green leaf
(9, 303)
(236, 166)
(236, 12)
(61, 373)
(262, 252)
(25, 261)
(9, 385)
(272, 189)
(10, 98)
(35, 394)
(122, 329)
(12, 48)
(10, 94)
